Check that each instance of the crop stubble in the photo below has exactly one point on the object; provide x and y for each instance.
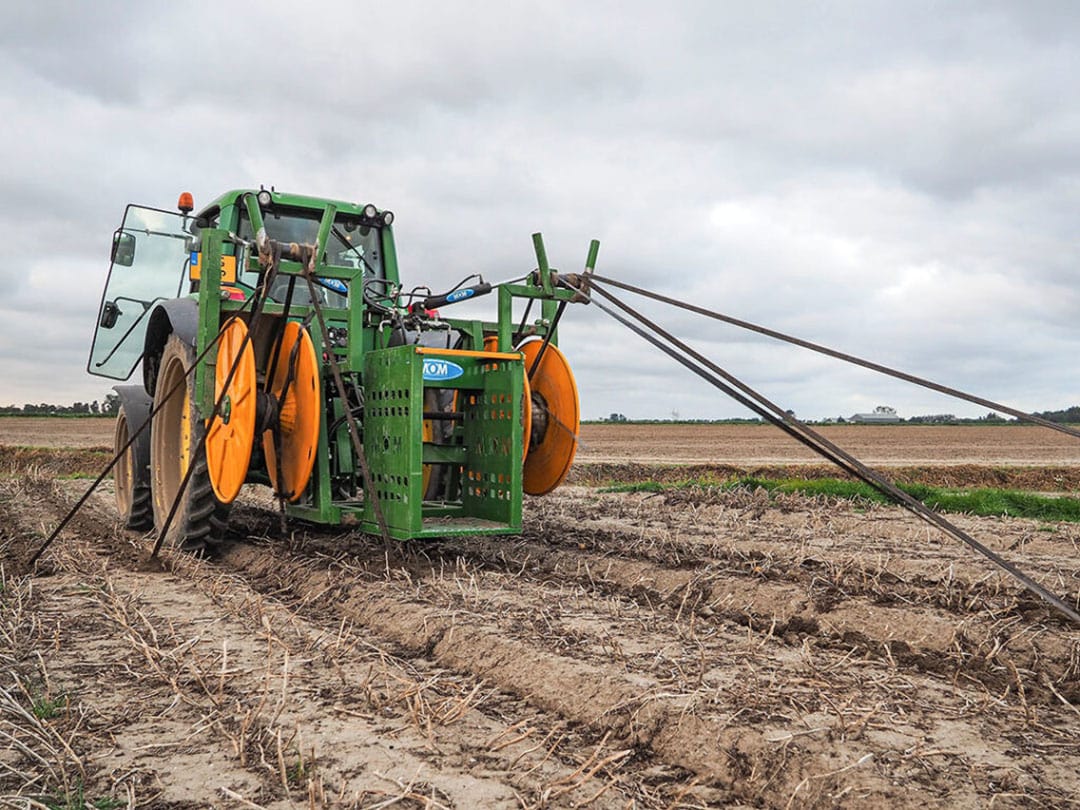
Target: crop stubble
(697, 648)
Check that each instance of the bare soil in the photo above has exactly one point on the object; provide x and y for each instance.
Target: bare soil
(886, 445)
(46, 431)
(741, 445)
(692, 649)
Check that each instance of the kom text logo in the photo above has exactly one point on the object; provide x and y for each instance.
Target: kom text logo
(441, 370)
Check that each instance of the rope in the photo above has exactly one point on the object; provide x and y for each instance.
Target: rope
(847, 358)
(131, 440)
(279, 491)
(798, 430)
(547, 339)
(260, 296)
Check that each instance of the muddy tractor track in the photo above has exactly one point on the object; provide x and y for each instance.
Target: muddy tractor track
(695, 649)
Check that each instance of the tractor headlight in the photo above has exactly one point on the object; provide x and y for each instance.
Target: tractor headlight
(264, 198)
(370, 211)
(387, 217)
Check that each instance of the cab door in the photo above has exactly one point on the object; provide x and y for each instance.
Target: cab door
(150, 256)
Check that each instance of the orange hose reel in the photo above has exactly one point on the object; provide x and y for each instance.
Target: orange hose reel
(298, 413)
(554, 436)
(230, 434)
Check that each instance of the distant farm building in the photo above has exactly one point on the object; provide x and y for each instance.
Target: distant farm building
(882, 415)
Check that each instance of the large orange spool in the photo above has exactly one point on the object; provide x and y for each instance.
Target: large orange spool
(298, 413)
(231, 433)
(555, 421)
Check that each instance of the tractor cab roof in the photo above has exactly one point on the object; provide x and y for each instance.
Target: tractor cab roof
(284, 199)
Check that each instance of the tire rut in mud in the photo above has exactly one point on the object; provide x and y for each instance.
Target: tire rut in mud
(981, 645)
(953, 624)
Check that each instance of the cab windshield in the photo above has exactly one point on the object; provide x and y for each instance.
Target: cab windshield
(350, 244)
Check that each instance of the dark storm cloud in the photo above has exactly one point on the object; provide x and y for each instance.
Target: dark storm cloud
(898, 180)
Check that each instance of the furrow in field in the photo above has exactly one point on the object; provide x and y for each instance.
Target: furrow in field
(627, 661)
(753, 708)
(247, 672)
(796, 611)
(869, 556)
(603, 697)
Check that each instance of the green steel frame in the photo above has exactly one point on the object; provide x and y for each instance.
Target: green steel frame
(486, 445)
(487, 451)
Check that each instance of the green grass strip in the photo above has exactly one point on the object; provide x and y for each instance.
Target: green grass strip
(985, 502)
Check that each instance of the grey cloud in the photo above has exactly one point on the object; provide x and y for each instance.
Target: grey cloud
(897, 181)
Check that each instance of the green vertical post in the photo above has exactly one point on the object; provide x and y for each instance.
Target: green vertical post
(325, 225)
(506, 319)
(590, 260)
(251, 202)
(356, 317)
(209, 317)
(542, 264)
(321, 489)
(548, 306)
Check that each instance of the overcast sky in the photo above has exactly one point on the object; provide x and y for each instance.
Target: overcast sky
(898, 180)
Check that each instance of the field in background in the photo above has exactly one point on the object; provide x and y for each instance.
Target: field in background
(892, 445)
(688, 648)
(742, 445)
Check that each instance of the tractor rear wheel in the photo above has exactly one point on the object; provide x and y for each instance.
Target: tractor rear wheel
(175, 443)
(131, 476)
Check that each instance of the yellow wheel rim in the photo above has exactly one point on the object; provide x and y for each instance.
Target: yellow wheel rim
(124, 471)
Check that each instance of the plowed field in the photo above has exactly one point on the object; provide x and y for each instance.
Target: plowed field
(693, 649)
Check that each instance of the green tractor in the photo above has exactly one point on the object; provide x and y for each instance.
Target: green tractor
(278, 347)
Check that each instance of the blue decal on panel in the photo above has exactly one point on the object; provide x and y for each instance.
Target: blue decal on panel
(440, 370)
(335, 284)
(460, 295)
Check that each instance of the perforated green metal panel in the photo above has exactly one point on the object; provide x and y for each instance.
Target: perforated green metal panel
(482, 454)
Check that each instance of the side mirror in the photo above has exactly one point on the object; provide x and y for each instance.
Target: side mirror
(109, 313)
(123, 249)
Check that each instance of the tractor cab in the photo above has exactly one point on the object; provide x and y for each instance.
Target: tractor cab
(156, 258)
(151, 255)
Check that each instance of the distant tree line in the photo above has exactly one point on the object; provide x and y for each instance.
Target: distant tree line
(1068, 415)
(618, 419)
(95, 408)
(112, 402)
(990, 418)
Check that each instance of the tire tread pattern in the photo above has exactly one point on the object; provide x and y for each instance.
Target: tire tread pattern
(201, 520)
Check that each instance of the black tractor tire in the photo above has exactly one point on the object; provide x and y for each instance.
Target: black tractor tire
(131, 475)
(176, 440)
